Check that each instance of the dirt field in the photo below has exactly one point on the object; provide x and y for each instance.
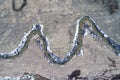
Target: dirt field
(92, 63)
(59, 20)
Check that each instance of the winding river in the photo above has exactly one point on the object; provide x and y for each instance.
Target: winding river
(84, 25)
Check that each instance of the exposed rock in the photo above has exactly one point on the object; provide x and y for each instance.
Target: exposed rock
(39, 77)
(3, 13)
(25, 76)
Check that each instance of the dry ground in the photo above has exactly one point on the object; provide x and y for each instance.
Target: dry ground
(92, 63)
(59, 20)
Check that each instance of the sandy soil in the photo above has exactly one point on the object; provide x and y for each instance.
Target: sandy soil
(59, 18)
(92, 63)
(56, 15)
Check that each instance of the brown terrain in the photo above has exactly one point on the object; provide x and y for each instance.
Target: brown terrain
(59, 20)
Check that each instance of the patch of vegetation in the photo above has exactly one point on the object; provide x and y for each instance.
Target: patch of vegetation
(111, 5)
